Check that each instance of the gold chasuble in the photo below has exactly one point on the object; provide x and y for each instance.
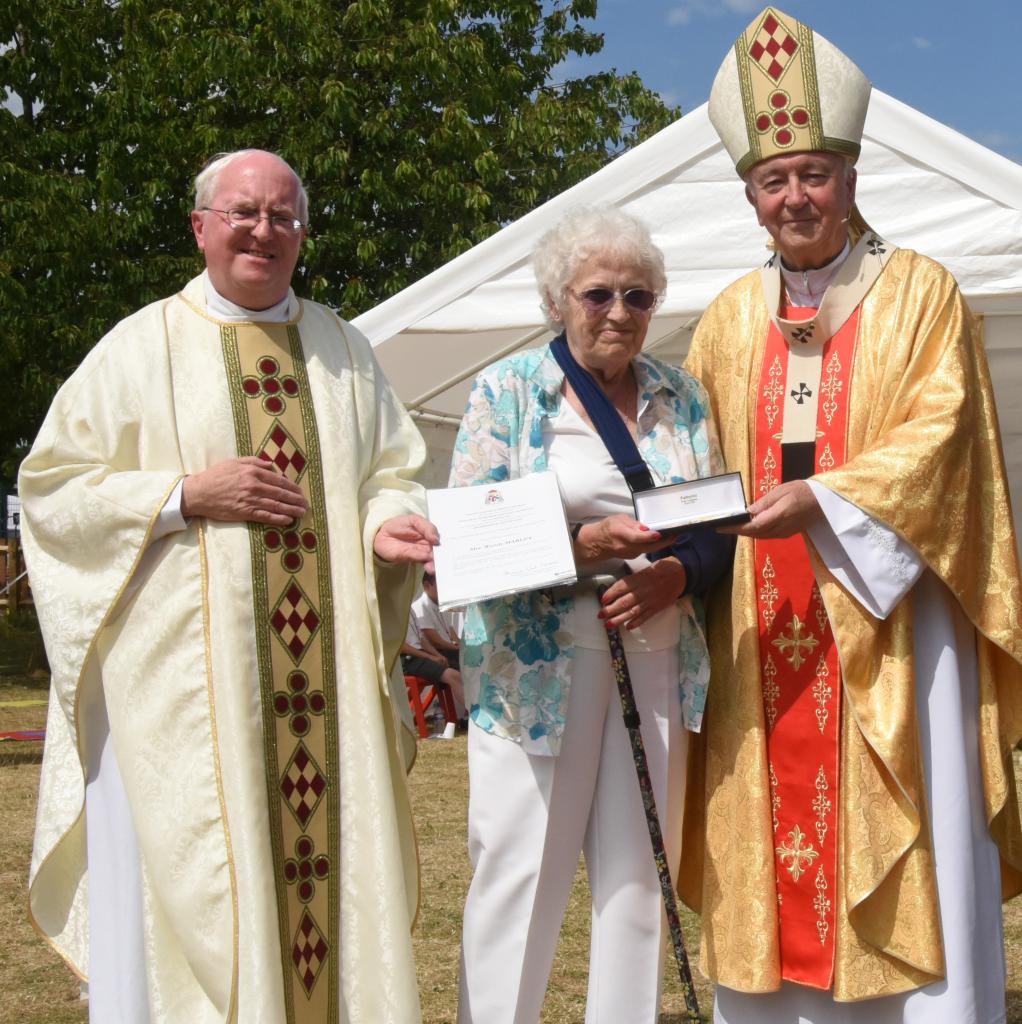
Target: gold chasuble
(293, 616)
(815, 769)
(248, 675)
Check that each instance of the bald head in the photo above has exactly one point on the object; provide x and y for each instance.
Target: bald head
(206, 180)
(248, 222)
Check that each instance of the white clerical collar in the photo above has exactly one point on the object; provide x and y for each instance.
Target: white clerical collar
(223, 309)
(806, 287)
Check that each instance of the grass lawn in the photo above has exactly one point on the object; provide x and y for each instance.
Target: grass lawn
(36, 987)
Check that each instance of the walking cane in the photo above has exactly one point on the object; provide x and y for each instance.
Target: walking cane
(631, 717)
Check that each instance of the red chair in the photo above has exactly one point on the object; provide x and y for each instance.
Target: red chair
(422, 693)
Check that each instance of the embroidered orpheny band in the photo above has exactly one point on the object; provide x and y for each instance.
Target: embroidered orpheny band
(783, 88)
(800, 670)
(274, 420)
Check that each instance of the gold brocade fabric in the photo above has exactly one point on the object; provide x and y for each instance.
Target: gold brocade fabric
(924, 458)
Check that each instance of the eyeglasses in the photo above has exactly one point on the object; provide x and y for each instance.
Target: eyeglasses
(599, 300)
(247, 219)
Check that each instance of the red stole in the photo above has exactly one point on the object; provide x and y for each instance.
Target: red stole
(800, 674)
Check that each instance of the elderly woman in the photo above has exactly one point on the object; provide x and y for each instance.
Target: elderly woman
(550, 765)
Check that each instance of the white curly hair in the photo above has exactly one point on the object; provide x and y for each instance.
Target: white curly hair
(584, 232)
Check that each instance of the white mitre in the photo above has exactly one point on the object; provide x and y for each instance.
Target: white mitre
(783, 89)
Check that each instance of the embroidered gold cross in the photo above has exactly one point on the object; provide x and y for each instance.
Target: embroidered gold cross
(796, 641)
(799, 857)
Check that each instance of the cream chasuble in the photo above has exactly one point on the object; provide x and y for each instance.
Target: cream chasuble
(922, 457)
(245, 678)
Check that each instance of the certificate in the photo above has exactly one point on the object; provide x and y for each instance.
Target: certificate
(500, 538)
(710, 501)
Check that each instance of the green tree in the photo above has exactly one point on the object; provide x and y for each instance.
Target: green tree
(419, 127)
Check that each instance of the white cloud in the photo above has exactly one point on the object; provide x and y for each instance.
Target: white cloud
(679, 15)
(682, 13)
(995, 139)
(921, 42)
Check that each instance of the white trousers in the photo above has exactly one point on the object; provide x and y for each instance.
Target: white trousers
(529, 817)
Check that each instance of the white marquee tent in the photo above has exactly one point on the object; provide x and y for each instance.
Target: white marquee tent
(921, 185)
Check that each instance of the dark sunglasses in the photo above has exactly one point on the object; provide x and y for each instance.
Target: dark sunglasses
(598, 300)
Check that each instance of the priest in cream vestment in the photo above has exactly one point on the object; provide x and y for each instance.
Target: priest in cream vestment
(852, 821)
(220, 521)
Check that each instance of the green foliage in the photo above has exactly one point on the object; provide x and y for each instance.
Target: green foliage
(419, 127)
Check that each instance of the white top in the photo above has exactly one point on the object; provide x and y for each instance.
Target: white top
(592, 488)
(424, 614)
(223, 309)
(806, 287)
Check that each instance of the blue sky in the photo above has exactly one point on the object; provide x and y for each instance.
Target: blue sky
(959, 63)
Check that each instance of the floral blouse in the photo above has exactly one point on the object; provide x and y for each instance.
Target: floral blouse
(516, 652)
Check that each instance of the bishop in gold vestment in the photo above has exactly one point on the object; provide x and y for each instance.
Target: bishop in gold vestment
(852, 392)
(220, 512)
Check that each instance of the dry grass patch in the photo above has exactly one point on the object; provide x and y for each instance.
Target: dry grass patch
(439, 785)
(37, 988)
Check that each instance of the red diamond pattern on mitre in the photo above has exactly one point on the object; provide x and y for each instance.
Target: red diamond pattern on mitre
(773, 48)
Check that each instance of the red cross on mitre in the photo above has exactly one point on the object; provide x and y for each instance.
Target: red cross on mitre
(773, 47)
(783, 120)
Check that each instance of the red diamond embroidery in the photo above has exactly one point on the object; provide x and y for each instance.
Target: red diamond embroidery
(295, 621)
(302, 784)
(308, 952)
(280, 448)
(772, 48)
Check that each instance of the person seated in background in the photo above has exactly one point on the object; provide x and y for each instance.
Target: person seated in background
(419, 653)
(438, 627)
